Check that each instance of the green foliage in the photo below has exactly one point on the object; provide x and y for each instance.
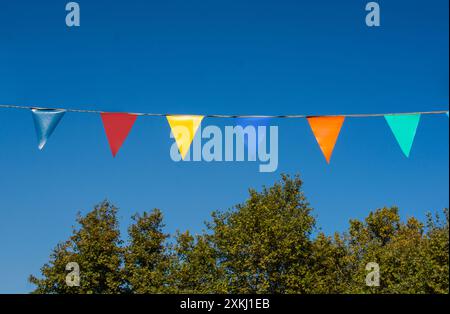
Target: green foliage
(146, 261)
(195, 268)
(407, 255)
(265, 245)
(96, 248)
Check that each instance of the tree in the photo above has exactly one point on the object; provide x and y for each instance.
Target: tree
(146, 260)
(410, 260)
(330, 271)
(436, 249)
(195, 268)
(95, 247)
(263, 245)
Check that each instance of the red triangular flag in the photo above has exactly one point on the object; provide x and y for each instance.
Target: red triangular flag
(117, 126)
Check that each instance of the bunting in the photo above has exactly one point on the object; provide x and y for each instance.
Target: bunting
(117, 127)
(183, 130)
(326, 130)
(45, 122)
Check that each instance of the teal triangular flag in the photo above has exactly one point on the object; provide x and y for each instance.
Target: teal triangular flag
(45, 122)
(404, 128)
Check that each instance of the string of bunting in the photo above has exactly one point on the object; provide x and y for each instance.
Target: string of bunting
(326, 128)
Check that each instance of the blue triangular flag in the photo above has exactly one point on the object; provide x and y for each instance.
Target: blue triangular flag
(45, 122)
(254, 122)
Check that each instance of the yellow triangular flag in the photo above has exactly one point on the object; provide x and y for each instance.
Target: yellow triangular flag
(183, 130)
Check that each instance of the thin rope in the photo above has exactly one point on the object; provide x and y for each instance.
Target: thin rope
(233, 116)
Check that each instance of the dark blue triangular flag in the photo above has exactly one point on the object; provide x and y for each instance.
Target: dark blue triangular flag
(254, 122)
(45, 122)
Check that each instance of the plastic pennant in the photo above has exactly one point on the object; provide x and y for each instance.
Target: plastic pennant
(255, 123)
(326, 130)
(45, 122)
(183, 129)
(117, 127)
(404, 128)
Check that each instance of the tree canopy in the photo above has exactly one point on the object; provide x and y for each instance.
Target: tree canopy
(268, 244)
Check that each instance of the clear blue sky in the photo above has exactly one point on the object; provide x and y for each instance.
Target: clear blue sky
(234, 56)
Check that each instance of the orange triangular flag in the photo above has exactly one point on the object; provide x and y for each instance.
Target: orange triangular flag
(326, 130)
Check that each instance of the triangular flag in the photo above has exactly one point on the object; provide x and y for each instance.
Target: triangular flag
(183, 130)
(254, 122)
(404, 128)
(45, 122)
(117, 126)
(326, 130)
